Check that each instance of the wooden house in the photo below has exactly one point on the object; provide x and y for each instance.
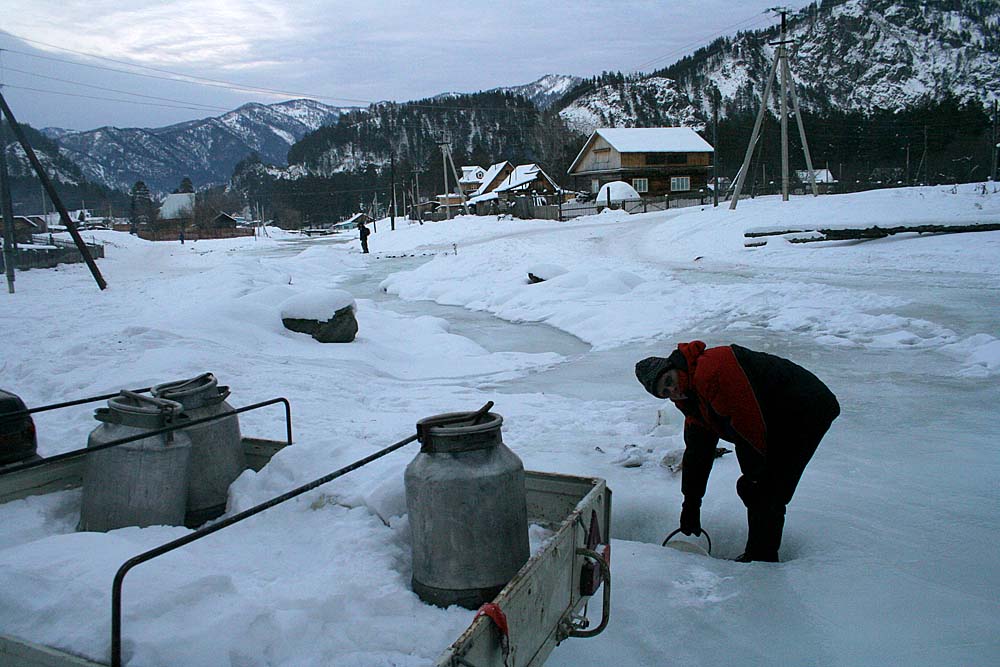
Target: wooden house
(656, 161)
(471, 179)
(526, 179)
(825, 182)
(24, 227)
(224, 221)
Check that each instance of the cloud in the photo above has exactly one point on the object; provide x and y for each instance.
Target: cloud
(376, 49)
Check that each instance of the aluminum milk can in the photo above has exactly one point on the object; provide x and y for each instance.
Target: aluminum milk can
(217, 456)
(140, 483)
(466, 502)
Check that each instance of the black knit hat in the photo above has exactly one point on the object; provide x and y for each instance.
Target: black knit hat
(650, 369)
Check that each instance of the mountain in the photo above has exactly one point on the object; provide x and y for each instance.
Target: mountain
(651, 102)
(545, 91)
(205, 150)
(75, 190)
(848, 56)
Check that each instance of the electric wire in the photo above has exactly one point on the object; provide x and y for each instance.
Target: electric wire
(208, 107)
(180, 77)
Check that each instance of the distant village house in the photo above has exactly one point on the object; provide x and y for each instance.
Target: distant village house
(178, 208)
(656, 161)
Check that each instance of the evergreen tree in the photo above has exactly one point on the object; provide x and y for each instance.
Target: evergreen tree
(186, 186)
(140, 205)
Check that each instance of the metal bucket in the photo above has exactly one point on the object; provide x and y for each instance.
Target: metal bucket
(466, 502)
(217, 457)
(140, 483)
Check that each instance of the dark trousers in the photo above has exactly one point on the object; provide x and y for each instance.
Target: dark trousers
(364, 245)
(768, 484)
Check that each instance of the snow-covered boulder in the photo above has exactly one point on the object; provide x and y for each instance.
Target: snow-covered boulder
(542, 272)
(326, 315)
(616, 192)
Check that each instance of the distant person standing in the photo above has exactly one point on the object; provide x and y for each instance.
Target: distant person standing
(773, 410)
(180, 236)
(363, 233)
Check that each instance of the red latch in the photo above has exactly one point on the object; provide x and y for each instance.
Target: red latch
(495, 613)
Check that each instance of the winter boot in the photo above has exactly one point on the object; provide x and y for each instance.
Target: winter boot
(765, 525)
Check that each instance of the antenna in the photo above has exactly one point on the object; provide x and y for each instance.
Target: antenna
(787, 86)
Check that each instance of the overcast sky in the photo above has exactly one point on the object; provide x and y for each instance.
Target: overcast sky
(334, 51)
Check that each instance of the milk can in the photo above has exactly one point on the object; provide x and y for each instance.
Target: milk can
(217, 456)
(140, 483)
(466, 503)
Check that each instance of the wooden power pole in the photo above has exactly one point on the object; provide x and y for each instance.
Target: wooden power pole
(787, 88)
(53, 195)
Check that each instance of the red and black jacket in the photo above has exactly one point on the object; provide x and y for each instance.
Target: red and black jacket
(760, 402)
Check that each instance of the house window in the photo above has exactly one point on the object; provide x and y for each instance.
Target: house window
(680, 183)
(640, 184)
(595, 185)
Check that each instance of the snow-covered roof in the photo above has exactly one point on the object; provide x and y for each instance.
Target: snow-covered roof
(522, 175)
(654, 140)
(647, 140)
(472, 174)
(822, 175)
(486, 197)
(178, 205)
(491, 174)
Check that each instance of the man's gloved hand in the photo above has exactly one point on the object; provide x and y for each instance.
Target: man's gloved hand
(691, 517)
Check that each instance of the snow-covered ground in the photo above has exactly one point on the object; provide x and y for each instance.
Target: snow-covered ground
(890, 549)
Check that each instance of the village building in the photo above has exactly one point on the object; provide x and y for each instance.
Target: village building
(224, 221)
(527, 179)
(178, 208)
(24, 227)
(352, 222)
(494, 176)
(825, 182)
(656, 161)
(471, 179)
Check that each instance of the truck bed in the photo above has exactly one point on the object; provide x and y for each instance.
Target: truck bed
(541, 604)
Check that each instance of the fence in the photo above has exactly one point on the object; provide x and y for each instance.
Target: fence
(59, 252)
(194, 234)
(525, 208)
(572, 210)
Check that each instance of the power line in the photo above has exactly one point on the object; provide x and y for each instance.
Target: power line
(180, 77)
(102, 99)
(115, 90)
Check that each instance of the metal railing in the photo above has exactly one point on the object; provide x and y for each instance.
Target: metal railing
(141, 436)
(116, 590)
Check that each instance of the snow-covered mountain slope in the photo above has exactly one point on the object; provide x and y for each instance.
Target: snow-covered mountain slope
(546, 90)
(206, 150)
(852, 55)
(646, 103)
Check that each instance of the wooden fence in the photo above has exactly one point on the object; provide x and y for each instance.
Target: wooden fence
(59, 252)
(194, 234)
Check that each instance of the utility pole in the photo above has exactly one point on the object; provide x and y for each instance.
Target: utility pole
(444, 168)
(784, 110)
(787, 87)
(996, 147)
(924, 160)
(9, 249)
(53, 195)
(715, 145)
(445, 159)
(392, 179)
